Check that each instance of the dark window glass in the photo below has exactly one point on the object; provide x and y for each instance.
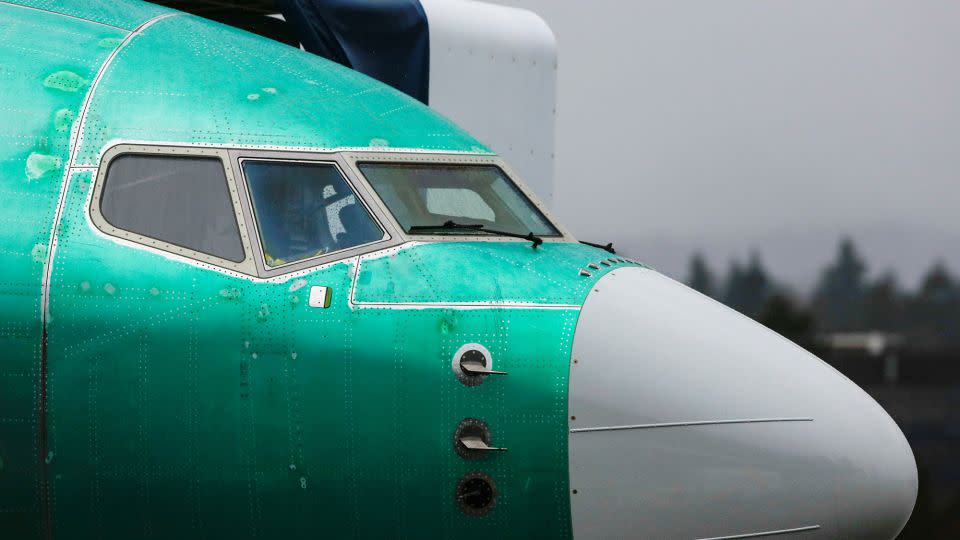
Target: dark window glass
(181, 200)
(430, 194)
(305, 210)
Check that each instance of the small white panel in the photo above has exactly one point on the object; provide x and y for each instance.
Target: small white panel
(319, 297)
(493, 71)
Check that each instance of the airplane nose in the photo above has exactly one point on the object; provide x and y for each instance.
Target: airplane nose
(689, 420)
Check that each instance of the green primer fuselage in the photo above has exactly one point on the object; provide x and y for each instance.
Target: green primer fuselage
(143, 396)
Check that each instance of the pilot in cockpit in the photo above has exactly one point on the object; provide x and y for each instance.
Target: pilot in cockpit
(305, 210)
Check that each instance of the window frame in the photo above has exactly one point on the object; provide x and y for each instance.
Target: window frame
(354, 159)
(246, 266)
(361, 192)
(345, 160)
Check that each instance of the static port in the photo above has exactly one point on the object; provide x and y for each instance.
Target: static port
(472, 439)
(472, 364)
(472, 357)
(476, 494)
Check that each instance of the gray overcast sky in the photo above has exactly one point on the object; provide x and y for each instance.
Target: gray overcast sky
(728, 126)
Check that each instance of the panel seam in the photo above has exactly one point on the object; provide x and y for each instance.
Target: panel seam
(67, 15)
(495, 304)
(764, 533)
(76, 134)
(692, 423)
(75, 140)
(292, 148)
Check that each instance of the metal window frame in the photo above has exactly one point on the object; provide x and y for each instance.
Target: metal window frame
(246, 266)
(354, 158)
(346, 162)
(364, 196)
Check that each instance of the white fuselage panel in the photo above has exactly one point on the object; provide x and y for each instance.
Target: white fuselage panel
(689, 420)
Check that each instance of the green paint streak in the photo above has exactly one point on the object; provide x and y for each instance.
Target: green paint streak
(109, 43)
(63, 119)
(39, 253)
(39, 165)
(66, 81)
(231, 293)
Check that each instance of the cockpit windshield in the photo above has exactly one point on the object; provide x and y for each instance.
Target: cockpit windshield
(305, 210)
(425, 196)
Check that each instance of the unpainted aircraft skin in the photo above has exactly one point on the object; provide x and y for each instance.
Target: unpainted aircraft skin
(151, 392)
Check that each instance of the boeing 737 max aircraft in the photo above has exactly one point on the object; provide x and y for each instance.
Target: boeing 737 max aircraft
(249, 293)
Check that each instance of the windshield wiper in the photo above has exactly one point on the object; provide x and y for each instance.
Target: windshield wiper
(452, 225)
(608, 248)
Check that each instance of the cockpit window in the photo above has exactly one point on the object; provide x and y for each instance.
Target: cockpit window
(305, 210)
(180, 200)
(429, 195)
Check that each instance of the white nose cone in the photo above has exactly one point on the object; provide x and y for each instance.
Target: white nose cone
(689, 420)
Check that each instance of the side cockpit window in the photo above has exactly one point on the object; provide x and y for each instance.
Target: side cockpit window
(306, 210)
(180, 200)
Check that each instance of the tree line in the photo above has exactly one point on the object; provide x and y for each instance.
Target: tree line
(844, 300)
